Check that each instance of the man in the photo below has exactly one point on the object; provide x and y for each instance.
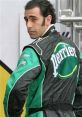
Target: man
(47, 71)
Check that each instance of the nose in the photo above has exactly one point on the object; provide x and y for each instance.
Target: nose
(29, 24)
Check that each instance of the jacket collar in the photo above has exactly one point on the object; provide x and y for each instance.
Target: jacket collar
(50, 29)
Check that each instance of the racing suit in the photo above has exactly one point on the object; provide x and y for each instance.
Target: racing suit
(45, 78)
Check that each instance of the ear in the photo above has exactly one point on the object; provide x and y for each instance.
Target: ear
(48, 20)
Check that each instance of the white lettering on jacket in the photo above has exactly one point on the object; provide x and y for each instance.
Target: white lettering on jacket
(56, 58)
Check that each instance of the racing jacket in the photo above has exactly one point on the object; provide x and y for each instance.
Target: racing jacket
(46, 75)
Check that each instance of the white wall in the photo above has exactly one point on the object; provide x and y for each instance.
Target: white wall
(10, 11)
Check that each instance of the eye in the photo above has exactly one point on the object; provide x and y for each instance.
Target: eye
(26, 19)
(33, 19)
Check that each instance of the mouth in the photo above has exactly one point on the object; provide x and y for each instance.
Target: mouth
(31, 32)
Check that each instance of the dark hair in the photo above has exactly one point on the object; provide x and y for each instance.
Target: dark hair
(45, 6)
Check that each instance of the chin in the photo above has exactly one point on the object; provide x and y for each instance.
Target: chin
(34, 37)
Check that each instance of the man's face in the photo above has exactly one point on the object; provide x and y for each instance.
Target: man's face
(35, 22)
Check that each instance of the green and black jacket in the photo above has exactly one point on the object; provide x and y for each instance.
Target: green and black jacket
(46, 74)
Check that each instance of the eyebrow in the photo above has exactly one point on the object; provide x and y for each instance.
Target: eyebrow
(29, 17)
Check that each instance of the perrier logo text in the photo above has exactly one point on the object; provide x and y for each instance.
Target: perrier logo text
(64, 60)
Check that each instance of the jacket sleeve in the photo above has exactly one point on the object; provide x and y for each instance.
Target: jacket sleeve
(79, 86)
(27, 69)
